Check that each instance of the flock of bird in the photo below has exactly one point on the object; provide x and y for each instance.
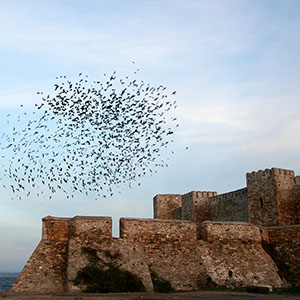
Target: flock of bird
(89, 137)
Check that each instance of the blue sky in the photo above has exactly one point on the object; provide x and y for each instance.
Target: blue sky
(235, 66)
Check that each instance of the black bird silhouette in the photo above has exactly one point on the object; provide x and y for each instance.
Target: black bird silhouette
(90, 137)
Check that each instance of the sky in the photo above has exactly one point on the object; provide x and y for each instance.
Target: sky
(235, 65)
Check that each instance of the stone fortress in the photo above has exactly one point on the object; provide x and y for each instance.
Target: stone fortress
(246, 237)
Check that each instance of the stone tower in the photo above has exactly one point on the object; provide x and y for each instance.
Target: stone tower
(273, 197)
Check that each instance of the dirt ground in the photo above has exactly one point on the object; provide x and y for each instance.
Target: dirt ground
(201, 295)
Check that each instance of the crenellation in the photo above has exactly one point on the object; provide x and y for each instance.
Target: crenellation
(297, 180)
(157, 231)
(55, 229)
(232, 206)
(83, 227)
(195, 206)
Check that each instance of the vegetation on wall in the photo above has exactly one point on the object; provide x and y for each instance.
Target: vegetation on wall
(106, 277)
(96, 279)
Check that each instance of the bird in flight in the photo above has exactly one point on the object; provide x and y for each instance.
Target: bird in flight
(90, 136)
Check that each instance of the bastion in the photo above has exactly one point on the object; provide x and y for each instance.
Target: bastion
(246, 237)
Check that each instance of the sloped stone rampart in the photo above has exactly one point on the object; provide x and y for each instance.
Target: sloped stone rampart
(115, 252)
(283, 244)
(230, 254)
(236, 257)
(46, 268)
(171, 249)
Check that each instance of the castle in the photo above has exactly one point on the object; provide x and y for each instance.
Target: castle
(246, 237)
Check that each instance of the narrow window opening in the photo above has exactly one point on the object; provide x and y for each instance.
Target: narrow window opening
(261, 202)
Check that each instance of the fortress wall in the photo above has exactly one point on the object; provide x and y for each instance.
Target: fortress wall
(236, 256)
(231, 206)
(151, 231)
(181, 264)
(195, 206)
(167, 206)
(171, 249)
(226, 247)
(187, 210)
(45, 269)
(230, 254)
(284, 247)
(106, 252)
(93, 228)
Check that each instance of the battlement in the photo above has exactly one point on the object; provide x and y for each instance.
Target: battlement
(232, 206)
(297, 180)
(269, 172)
(230, 231)
(194, 206)
(89, 227)
(151, 231)
(271, 198)
(229, 195)
(55, 228)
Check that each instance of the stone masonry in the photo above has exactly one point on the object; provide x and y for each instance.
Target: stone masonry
(246, 237)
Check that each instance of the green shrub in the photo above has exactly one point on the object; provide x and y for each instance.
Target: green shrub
(111, 280)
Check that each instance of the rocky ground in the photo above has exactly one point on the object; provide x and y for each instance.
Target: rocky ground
(196, 295)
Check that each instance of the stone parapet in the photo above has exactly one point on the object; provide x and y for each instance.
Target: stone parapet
(230, 231)
(148, 231)
(91, 227)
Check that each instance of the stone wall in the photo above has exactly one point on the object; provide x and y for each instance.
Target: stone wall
(272, 198)
(236, 257)
(229, 254)
(283, 244)
(92, 228)
(288, 197)
(167, 206)
(171, 249)
(154, 231)
(262, 195)
(46, 268)
(195, 206)
(296, 205)
(187, 254)
(231, 206)
(91, 242)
